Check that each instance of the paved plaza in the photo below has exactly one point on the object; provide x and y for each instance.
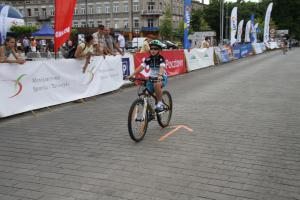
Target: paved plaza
(245, 143)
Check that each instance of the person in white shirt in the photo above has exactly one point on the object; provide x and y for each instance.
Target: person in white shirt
(121, 41)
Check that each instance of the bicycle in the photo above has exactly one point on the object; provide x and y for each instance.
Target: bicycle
(142, 110)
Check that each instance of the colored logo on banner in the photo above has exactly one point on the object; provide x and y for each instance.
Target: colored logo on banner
(18, 86)
(126, 66)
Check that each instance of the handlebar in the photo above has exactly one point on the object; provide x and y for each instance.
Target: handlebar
(151, 79)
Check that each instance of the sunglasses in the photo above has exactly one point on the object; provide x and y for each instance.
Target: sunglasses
(154, 48)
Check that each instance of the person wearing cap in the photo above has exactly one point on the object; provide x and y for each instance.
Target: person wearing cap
(157, 64)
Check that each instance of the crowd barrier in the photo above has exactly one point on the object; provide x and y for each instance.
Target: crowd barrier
(48, 82)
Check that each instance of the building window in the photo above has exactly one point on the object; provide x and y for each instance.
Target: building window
(99, 23)
(150, 22)
(107, 8)
(116, 24)
(125, 24)
(75, 24)
(29, 24)
(107, 24)
(83, 11)
(75, 11)
(151, 5)
(91, 24)
(136, 23)
(125, 8)
(116, 7)
(136, 6)
(91, 10)
(21, 11)
(44, 12)
(51, 11)
(98, 10)
(83, 24)
(36, 12)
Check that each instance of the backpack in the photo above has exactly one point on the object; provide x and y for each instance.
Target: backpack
(71, 52)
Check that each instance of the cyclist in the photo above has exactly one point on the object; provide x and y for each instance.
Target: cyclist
(157, 65)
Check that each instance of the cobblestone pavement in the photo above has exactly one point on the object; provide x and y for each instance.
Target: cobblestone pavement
(245, 145)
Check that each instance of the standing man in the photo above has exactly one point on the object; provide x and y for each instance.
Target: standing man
(99, 41)
(121, 41)
(26, 45)
(111, 45)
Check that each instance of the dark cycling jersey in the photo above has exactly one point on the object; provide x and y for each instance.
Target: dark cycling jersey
(154, 63)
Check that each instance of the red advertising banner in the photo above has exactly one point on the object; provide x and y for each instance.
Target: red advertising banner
(64, 10)
(175, 62)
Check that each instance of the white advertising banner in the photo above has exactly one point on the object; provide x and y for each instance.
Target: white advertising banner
(247, 32)
(267, 24)
(233, 25)
(199, 58)
(39, 84)
(257, 48)
(240, 31)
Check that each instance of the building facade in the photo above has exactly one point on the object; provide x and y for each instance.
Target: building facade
(134, 16)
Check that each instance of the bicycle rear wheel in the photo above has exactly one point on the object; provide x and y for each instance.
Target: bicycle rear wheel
(137, 120)
(164, 117)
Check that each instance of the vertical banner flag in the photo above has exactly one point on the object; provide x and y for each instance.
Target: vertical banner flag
(233, 25)
(63, 21)
(252, 30)
(247, 32)
(255, 32)
(240, 31)
(187, 21)
(267, 23)
(3, 23)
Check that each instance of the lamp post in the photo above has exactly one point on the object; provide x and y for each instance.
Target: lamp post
(131, 20)
(86, 14)
(221, 21)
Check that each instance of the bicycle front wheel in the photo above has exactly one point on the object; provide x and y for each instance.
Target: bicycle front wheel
(164, 117)
(137, 120)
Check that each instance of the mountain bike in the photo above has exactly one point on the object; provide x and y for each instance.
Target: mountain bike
(142, 110)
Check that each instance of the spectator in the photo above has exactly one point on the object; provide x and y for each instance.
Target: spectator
(205, 43)
(145, 47)
(121, 41)
(26, 45)
(85, 51)
(111, 45)
(33, 44)
(7, 50)
(99, 41)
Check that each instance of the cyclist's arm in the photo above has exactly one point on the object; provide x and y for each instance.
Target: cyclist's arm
(138, 70)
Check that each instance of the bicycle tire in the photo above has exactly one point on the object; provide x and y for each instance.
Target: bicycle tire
(137, 133)
(164, 118)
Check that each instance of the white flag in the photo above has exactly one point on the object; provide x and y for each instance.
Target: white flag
(255, 32)
(267, 24)
(240, 31)
(3, 23)
(233, 25)
(247, 32)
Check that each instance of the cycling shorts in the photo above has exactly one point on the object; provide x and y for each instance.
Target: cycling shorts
(150, 85)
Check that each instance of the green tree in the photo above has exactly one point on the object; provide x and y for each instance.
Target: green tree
(19, 31)
(166, 27)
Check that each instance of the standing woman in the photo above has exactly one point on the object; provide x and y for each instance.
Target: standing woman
(7, 50)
